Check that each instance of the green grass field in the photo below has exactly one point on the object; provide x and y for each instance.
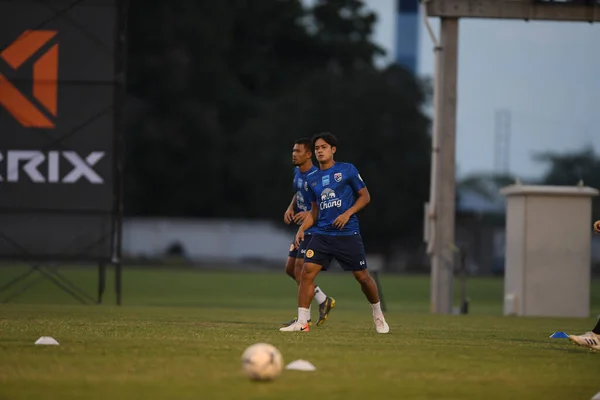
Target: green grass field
(180, 335)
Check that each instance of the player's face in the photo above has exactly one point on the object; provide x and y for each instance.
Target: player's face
(324, 151)
(300, 154)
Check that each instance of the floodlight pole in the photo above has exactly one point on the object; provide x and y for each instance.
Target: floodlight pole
(443, 202)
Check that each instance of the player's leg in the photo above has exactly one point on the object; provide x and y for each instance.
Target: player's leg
(369, 288)
(326, 303)
(290, 265)
(316, 259)
(291, 270)
(306, 291)
(588, 339)
(351, 255)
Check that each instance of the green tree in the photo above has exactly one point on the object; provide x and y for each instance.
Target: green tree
(486, 184)
(377, 118)
(226, 87)
(571, 167)
(343, 30)
(178, 69)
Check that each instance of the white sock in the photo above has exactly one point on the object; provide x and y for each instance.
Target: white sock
(319, 295)
(377, 313)
(309, 314)
(303, 315)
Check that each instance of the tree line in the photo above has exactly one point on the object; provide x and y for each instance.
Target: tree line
(219, 90)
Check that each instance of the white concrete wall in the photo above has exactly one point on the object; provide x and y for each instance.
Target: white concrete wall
(207, 240)
(222, 240)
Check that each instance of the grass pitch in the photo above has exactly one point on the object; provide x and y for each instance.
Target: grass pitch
(180, 335)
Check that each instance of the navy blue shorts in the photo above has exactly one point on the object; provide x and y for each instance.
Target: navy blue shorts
(299, 253)
(349, 251)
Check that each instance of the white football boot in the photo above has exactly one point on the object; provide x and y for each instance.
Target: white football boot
(588, 339)
(380, 325)
(295, 327)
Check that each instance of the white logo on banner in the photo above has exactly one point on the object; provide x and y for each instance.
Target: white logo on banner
(30, 163)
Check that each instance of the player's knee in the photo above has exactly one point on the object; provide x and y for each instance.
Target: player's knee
(309, 272)
(362, 276)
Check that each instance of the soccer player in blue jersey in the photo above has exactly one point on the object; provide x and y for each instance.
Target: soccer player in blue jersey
(336, 192)
(296, 212)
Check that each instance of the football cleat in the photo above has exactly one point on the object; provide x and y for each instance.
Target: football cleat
(380, 325)
(324, 309)
(293, 321)
(295, 327)
(588, 339)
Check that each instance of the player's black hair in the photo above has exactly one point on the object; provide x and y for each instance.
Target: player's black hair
(306, 142)
(329, 138)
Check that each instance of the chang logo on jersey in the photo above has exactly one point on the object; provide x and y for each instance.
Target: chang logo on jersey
(328, 199)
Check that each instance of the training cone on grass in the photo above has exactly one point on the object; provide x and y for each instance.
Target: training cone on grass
(47, 340)
(559, 335)
(300, 365)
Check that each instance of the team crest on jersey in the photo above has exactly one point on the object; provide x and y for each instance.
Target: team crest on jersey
(309, 253)
(337, 176)
(325, 180)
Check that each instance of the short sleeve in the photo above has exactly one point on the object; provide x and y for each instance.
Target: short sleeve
(355, 180)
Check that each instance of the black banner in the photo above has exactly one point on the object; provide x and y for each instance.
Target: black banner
(58, 145)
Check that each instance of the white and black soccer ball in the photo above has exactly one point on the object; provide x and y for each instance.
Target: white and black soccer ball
(262, 362)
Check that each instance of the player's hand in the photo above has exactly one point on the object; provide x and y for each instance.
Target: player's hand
(288, 217)
(299, 238)
(341, 221)
(300, 217)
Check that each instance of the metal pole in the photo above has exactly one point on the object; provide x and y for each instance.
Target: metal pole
(442, 265)
(120, 97)
(464, 301)
(101, 281)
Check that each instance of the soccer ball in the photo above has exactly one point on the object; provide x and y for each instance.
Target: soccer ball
(262, 362)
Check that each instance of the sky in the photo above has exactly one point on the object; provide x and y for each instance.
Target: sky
(546, 74)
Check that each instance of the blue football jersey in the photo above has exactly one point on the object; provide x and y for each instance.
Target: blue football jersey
(334, 190)
(302, 192)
